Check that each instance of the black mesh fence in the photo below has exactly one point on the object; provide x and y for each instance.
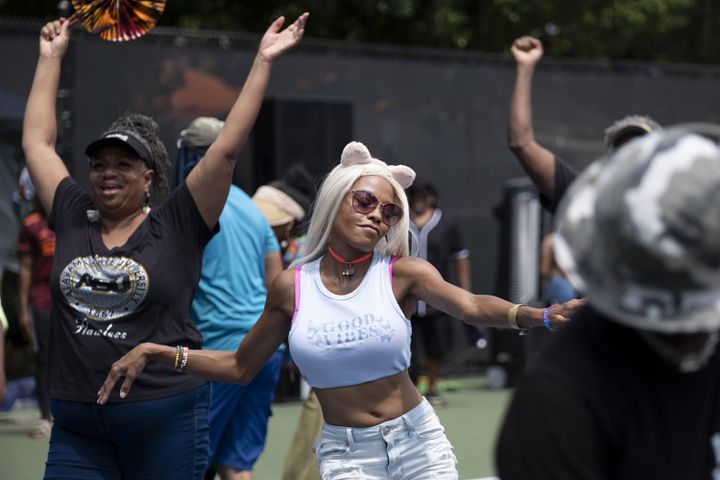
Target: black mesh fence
(443, 112)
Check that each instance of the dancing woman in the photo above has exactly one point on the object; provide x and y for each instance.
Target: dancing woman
(345, 307)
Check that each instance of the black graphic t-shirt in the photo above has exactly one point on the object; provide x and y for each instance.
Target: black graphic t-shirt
(107, 301)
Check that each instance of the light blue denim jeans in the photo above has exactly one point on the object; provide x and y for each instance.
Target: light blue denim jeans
(410, 447)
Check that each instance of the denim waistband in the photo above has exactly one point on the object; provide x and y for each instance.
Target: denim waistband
(385, 430)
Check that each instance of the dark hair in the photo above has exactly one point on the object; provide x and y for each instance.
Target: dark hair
(148, 129)
(421, 188)
(300, 186)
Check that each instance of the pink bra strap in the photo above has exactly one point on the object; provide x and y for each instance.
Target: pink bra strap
(297, 295)
(393, 259)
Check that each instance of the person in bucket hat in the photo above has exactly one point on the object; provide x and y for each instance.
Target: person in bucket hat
(238, 265)
(631, 388)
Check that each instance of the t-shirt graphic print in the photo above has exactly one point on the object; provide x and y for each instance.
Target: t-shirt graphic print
(104, 288)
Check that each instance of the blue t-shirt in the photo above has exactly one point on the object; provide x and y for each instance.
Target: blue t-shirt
(231, 294)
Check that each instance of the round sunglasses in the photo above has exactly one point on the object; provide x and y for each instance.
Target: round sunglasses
(365, 202)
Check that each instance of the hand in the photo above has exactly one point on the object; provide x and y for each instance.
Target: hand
(54, 38)
(527, 51)
(275, 42)
(563, 313)
(129, 366)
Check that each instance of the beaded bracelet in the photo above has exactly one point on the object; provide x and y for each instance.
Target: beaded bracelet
(178, 352)
(546, 318)
(182, 354)
(185, 357)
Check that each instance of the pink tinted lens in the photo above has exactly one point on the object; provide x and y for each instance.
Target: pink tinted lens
(391, 213)
(364, 202)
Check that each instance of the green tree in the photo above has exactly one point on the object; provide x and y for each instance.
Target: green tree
(664, 30)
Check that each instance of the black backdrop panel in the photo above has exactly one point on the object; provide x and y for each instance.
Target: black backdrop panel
(309, 133)
(446, 119)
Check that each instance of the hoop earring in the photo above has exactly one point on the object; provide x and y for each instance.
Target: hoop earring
(146, 204)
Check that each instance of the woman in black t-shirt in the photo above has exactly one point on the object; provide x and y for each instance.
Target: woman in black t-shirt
(125, 273)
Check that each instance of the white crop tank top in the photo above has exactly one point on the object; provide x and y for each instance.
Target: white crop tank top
(340, 340)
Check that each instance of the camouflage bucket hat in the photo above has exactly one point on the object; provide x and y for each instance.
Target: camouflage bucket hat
(640, 231)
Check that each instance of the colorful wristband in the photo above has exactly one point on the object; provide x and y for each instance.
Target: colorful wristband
(546, 318)
(178, 352)
(181, 358)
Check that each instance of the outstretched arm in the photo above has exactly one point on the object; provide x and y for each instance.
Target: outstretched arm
(40, 125)
(416, 279)
(263, 339)
(538, 162)
(209, 182)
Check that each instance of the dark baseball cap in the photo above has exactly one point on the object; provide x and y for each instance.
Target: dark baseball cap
(125, 137)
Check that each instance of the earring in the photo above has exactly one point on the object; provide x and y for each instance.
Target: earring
(386, 238)
(146, 204)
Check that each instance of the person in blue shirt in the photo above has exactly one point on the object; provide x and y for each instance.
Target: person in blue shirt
(238, 265)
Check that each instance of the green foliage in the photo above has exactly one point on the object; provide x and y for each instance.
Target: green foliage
(671, 30)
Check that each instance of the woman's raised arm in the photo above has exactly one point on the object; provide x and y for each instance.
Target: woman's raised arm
(40, 125)
(210, 180)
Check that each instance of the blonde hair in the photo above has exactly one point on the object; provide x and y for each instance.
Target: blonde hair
(329, 199)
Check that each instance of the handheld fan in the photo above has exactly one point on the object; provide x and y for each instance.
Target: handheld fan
(118, 20)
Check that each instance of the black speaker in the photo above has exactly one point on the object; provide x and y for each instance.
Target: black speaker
(517, 275)
(309, 133)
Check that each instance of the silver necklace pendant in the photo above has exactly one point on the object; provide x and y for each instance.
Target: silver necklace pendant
(349, 270)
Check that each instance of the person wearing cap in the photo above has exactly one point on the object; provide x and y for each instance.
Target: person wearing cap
(125, 272)
(345, 307)
(550, 174)
(284, 203)
(631, 388)
(238, 265)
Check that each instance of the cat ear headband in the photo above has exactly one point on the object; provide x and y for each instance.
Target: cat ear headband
(355, 153)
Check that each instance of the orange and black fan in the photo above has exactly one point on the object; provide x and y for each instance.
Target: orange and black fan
(118, 20)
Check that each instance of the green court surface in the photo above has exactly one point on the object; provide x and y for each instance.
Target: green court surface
(471, 421)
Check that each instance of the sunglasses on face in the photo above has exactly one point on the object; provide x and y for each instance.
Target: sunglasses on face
(365, 202)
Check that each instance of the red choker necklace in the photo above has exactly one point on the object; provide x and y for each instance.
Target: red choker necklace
(349, 268)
